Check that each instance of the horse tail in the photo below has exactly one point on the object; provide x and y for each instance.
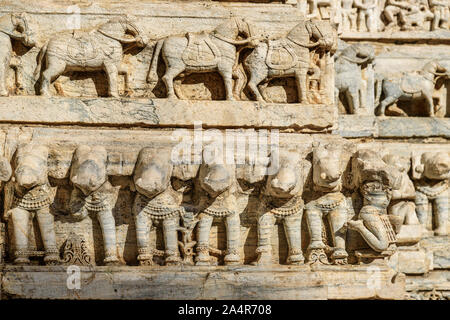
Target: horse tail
(152, 76)
(240, 75)
(40, 59)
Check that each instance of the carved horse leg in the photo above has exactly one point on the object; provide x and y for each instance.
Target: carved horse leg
(21, 224)
(46, 222)
(430, 104)
(112, 73)
(55, 68)
(292, 228)
(143, 225)
(204, 228)
(300, 78)
(171, 73)
(227, 74)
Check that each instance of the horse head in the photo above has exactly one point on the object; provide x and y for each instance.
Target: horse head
(234, 28)
(287, 182)
(121, 28)
(88, 171)
(31, 166)
(152, 173)
(327, 167)
(21, 25)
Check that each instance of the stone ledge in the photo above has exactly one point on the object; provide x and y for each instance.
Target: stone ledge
(356, 126)
(166, 113)
(440, 36)
(242, 282)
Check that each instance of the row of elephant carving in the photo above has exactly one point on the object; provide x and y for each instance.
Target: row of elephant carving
(217, 51)
(389, 200)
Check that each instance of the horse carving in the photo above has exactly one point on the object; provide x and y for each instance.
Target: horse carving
(98, 49)
(12, 26)
(413, 86)
(201, 52)
(289, 56)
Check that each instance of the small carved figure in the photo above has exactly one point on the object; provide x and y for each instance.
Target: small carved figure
(348, 15)
(289, 56)
(99, 49)
(327, 177)
(441, 11)
(32, 198)
(94, 194)
(281, 199)
(12, 26)
(201, 52)
(433, 186)
(412, 86)
(158, 201)
(349, 77)
(411, 13)
(402, 201)
(367, 18)
(376, 180)
(219, 202)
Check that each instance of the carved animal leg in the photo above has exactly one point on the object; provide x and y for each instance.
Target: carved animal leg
(54, 70)
(314, 221)
(371, 229)
(46, 222)
(143, 224)
(233, 226)
(422, 208)
(171, 73)
(430, 105)
(4, 65)
(227, 76)
(124, 71)
(266, 222)
(300, 77)
(21, 228)
(255, 80)
(204, 228)
(170, 226)
(352, 100)
(108, 225)
(112, 73)
(441, 208)
(386, 103)
(337, 219)
(292, 228)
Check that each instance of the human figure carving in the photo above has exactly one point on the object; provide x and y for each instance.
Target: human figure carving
(281, 198)
(433, 186)
(94, 194)
(201, 52)
(32, 199)
(12, 26)
(158, 202)
(376, 180)
(412, 13)
(99, 49)
(411, 86)
(441, 11)
(367, 19)
(289, 56)
(327, 177)
(348, 15)
(217, 201)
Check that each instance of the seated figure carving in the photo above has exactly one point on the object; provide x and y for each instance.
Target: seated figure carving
(433, 186)
(33, 196)
(158, 202)
(281, 198)
(93, 194)
(327, 177)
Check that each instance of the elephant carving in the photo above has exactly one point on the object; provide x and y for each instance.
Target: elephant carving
(33, 196)
(201, 52)
(217, 201)
(160, 188)
(12, 26)
(433, 186)
(410, 87)
(328, 169)
(100, 49)
(281, 199)
(93, 194)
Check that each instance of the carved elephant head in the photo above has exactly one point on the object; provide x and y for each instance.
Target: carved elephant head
(31, 166)
(215, 177)
(435, 165)
(88, 171)
(327, 166)
(152, 172)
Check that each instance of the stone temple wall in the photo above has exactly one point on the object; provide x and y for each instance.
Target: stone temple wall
(225, 149)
